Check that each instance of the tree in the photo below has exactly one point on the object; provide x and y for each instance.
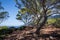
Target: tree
(36, 12)
(3, 14)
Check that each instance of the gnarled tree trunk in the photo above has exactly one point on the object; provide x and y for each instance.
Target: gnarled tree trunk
(41, 25)
(44, 16)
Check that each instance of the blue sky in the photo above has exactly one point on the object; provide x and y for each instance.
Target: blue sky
(9, 5)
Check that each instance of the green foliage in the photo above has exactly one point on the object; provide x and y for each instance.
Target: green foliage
(13, 29)
(54, 21)
(51, 21)
(3, 14)
(22, 28)
(57, 23)
(37, 9)
(18, 17)
(3, 27)
(4, 30)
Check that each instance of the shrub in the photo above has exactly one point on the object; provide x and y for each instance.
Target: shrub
(57, 23)
(22, 27)
(51, 21)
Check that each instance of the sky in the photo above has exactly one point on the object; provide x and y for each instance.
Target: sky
(9, 5)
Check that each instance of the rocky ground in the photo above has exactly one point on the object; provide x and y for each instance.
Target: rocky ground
(46, 33)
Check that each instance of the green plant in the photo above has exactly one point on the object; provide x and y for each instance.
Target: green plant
(22, 27)
(57, 23)
(51, 21)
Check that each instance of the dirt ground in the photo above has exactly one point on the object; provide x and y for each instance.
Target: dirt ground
(46, 33)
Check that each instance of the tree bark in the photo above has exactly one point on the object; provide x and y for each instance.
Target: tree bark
(45, 17)
(41, 25)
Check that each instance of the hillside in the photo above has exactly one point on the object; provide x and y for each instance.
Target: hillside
(46, 33)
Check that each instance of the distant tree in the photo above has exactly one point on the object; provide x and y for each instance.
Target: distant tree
(3, 14)
(36, 12)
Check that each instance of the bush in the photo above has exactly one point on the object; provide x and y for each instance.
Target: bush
(51, 21)
(3, 27)
(57, 23)
(22, 28)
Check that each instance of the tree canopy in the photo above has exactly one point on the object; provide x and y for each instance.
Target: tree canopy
(36, 12)
(3, 14)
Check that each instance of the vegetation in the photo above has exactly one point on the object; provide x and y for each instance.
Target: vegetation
(36, 12)
(54, 21)
(3, 27)
(3, 14)
(51, 21)
(33, 13)
(57, 23)
(21, 28)
(5, 31)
